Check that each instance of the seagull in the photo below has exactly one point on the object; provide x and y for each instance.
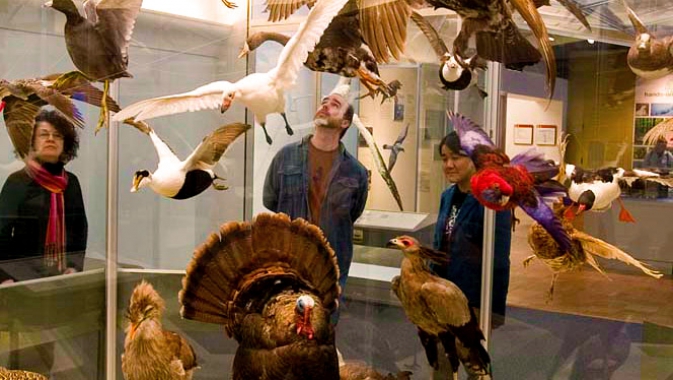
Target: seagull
(185, 179)
(261, 93)
(396, 148)
(648, 57)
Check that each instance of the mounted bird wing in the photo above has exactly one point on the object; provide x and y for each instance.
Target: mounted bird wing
(116, 19)
(471, 135)
(378, 160)
(659, 131)
(544, 215)
(214, 145)
(447, 302)
(78, 88)
(535, 163)
(181, 349)
(295, 52)
(282, 9)
(205, 97)
(56, 99)
(573, 8)
(635, 20)
(529, 12)
(384, 27)
(600, 248)
(403, 135)
(19, 118)
(166, 154)
(431, 34)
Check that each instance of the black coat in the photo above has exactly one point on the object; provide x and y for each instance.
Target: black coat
(24, 212)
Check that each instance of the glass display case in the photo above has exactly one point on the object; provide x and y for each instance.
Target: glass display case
(612, 323)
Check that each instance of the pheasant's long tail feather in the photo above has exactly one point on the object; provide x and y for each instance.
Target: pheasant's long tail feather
(233, 267)
(600, 248)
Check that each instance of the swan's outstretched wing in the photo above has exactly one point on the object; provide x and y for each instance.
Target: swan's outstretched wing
(294, 54)
(204, 97)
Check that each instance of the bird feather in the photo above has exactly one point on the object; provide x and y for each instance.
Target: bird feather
(208, 96)
(294, 54)
(215, 144)
(608, 251)
(116, 19)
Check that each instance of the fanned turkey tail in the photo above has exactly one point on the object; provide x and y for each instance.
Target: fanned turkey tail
(242, 265)
(600, 248)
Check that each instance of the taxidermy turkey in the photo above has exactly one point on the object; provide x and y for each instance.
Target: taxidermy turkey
(150, 352)
(439, 309)
(273, 284)
(583, 249)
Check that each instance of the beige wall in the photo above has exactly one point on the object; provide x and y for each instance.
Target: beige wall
(531, 110)
(601, 107)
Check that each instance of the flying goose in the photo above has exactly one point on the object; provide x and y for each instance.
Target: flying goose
(261, 93)
(98, 43)
(185, 179)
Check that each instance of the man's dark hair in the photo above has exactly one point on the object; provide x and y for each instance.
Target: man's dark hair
(348, 115)
(64, 127)
(451, 141)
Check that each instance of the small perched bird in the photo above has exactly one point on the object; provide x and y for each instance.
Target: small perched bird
(21, 100)
(341, 50)
(98, 43)
(343, 88)
(583, 249)
(262, 93)
(455, 73)
(396, 148)
(648, 57)
(150, 352)
(273, 284)
(503, 184)
(185, 179)
(439, 309)
(6, 374)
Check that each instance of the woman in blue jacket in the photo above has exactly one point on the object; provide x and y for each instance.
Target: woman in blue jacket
(459, 232)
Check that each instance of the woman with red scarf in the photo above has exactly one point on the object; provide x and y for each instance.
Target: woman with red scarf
(43, 226)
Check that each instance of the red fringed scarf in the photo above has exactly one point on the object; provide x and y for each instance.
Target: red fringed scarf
(54, 243)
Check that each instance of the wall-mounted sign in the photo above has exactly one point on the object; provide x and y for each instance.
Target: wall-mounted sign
(523, 134)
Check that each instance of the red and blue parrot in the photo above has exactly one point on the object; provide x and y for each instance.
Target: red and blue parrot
(503, 184)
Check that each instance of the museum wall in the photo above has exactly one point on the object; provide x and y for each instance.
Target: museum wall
(601, 106)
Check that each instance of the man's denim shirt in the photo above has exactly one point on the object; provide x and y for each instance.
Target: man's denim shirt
(286, 190)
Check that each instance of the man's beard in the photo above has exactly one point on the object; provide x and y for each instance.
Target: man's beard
(326, 122)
